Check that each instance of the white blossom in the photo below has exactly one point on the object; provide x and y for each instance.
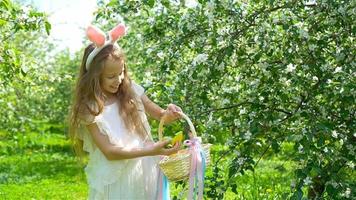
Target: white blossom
(334, 184)
(200, 58)
(238, 78)
(154, 94)
(192, 44)
(191, 3)
(221, 66)
(300, 148)
(242, 111)
(351, 164)
(160, 54)
(210, 17)
(338, 69)
(236, 122)
(255, 82)
(341, 10)
(225, 102)
(347, 193)
(290, 67)
(149, 51)
(326, 150)
(241, 161)
(10, 106)
(222, 31)
(311, 47)
(247, 135)
(190, 26)
(311, 3)
(210, 5)
(151, 20)
(229, 142)
(237, 152)
(303, 33)
(307, 181)
(25, 68)
(334, 134)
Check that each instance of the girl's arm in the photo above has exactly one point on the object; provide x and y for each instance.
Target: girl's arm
(155, 111)
(112, 152)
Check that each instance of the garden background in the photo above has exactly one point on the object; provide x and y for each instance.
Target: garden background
(270, 83)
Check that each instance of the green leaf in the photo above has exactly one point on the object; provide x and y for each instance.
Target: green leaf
(150, 3)
(23, 72)
(297, 195)
(2, 22)
(112, 3)
(6, 4)
(202, 1)
(275, 146)
(166, 3)
(234, 188)
(271, 2)
(48, 27)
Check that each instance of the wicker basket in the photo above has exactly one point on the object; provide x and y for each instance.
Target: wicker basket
(177, 166)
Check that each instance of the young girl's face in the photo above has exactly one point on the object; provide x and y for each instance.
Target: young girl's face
(112, 76)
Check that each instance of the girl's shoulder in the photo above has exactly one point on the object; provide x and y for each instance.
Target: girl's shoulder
(86, 111)
(138, 89)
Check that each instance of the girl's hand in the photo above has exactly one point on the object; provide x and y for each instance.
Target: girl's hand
(160, 149)
(172, 113)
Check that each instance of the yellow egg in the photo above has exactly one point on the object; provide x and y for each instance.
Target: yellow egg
(177, 138)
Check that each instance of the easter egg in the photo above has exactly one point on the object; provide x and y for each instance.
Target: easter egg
(177, 138)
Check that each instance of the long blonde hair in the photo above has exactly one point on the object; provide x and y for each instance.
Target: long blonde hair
(89, 98)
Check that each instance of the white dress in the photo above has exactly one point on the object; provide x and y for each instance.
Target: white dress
(119, 179)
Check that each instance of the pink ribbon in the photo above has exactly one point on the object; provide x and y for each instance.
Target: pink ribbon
(160, 183)
(196, 167)
(163, 186)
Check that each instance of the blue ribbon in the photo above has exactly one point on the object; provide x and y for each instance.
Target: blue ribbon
(165, 188)
(162, 189)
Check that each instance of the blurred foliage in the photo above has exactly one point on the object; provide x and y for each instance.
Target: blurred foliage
(36, 79)
(254, 75)
(14, 20)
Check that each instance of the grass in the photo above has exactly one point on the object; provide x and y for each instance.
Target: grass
(271, 180)
(42, 166)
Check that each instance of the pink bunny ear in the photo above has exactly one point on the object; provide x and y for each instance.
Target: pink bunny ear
(96, 35)
(117, 32)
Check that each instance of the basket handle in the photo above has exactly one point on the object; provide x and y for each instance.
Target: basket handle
(161, 123)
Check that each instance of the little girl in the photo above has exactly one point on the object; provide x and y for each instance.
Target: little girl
(108, 121)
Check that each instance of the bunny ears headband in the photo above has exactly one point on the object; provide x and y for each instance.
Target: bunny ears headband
(98, 37)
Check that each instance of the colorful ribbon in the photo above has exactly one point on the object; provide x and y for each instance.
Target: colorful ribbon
(163, 189)
(196, 174)
(197, 168)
